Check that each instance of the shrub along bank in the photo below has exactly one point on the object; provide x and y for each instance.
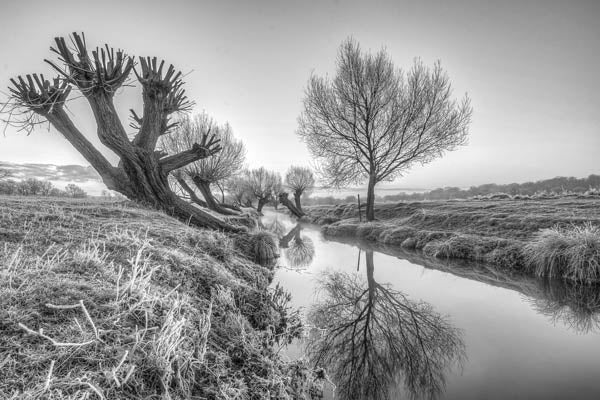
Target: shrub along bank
(555, 238)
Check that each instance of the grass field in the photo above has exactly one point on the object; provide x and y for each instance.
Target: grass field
(113, 301)
(513, 234)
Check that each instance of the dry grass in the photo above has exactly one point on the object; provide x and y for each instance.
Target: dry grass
(571, 253)
(112, 301)
(510, 234)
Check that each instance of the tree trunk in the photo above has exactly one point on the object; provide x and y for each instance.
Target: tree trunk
(261, 203)
(283, 199)
(211, 203)
(297, 200)
(371, 198)
(184, 185)
(150, 186)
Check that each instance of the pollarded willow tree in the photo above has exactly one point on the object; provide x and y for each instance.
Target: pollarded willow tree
(300, 180)
(142, 172)
(208, 171)
(372, 122)
(263, 184)
(238, 191)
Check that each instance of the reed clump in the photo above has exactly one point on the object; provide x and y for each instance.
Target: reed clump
(568, 252)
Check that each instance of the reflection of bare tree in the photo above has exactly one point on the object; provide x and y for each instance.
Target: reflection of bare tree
(299, 250)
(276, 227)
(575, 305)
(373, 339)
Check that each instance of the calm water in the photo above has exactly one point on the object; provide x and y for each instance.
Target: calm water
(400, 325)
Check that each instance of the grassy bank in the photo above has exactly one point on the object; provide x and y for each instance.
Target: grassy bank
(112, 301)
(511, 234)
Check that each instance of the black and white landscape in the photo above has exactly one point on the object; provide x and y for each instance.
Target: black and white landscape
(299, 200)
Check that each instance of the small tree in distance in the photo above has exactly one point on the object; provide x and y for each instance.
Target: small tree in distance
(263, 184)
(300, 180)
(373, 122)
(75, 191)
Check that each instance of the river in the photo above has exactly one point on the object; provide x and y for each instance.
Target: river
(390, 324)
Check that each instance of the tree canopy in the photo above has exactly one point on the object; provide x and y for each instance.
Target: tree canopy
(300, 180)
(372, 121)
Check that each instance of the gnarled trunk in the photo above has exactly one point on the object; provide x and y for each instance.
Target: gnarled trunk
(184, 185)
(283, 199)
(204, 187)
(261, 203)
(142, 173)
(297, 196)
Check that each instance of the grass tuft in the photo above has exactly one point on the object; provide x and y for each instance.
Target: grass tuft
(571, 253)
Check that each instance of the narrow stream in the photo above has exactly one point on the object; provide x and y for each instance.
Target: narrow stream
(398, 325)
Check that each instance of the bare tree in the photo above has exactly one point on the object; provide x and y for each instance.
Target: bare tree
(142, 173)
(211, 170)
(238, 189)
(371, 339)
(75, 191)
(264, 185)
(300, 180)
(283, 199)
(373, 122)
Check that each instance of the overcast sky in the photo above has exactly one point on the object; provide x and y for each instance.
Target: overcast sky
(531, 68)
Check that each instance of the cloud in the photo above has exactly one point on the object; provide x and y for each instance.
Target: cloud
(59, 175)
(51, 172)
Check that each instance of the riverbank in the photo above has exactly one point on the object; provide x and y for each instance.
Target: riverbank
(510, 234)
(117, 301)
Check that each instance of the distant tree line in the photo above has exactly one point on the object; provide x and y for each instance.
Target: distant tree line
(558, 185)
(38, 187)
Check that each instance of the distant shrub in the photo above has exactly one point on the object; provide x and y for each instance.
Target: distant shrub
(571, 253)
(75, 191)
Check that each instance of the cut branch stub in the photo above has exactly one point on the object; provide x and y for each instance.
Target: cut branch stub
(137, 121)
(38, 95)
(107, 70)
(167, 88)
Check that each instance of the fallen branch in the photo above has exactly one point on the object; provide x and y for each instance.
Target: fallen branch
(41, 334)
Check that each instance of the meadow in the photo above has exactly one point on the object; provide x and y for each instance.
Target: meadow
(110, 300)
(545, 237)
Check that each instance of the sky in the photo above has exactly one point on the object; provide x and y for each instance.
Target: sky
(531, 69)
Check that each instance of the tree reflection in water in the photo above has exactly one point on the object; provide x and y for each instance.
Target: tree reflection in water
(373, 340)
(274, 226)
(299, 250)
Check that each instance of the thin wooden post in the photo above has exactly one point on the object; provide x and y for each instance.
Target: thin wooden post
(359, 213)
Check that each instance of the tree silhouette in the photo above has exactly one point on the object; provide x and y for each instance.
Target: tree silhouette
(372, 339)
(372, 122)
(142, 172)
(300, 180)
(264, 185)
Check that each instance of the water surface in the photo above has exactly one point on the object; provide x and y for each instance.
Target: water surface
(399, 325)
